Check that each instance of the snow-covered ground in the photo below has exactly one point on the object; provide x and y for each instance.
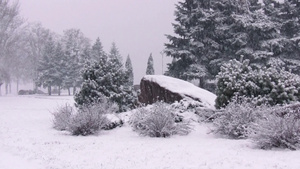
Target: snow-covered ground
(28, 141)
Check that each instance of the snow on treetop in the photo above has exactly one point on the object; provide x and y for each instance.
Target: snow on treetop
(183, 88)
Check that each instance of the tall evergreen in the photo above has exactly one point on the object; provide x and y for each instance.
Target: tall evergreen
(150, 68)
(60, 69)
(106, 77)
(49, 68)
(97, 51)
(286, 47)
(129, 71)
(210, 33)
(76, 47)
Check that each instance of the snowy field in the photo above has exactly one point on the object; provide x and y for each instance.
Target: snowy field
(28, 141)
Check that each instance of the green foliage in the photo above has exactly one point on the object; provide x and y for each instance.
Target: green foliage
(271, 85)
(150, 68)
(106, 77)
(50, 67)
(210, 33)
(129, 71)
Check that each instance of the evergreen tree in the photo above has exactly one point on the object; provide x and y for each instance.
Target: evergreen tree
(150, 68)
(106, 77)
(59, 65)
(97, 51)
(129, 71)
(76, 47)
(49, 67)
(286, 47)
(190, 15)
(210, 33)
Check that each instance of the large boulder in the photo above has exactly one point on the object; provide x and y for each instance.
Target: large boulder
(164, 88)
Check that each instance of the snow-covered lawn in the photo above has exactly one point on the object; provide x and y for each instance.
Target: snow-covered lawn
(28, 141)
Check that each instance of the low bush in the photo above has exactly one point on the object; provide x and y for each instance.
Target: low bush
(235, 119)
(88, 119)
(207, 115)
(159, 121)
(26, 92)
(62, 117)
(279, 128)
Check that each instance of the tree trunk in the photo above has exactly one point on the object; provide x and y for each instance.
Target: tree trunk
(18, 85)
(6, 88)
(201, 82)
(49, 90)
(35, 88)
(74, 90)
(9, 87)
(59, 90)
(69, 92)
(0, 89)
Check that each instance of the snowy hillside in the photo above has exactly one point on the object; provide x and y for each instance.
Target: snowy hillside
(28, 141)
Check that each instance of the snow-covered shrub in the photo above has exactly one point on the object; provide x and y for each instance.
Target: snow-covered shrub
(271, 85)
(187, 104)
(159, 121)
(62, 117)
(89, 120)
(235, 119)
(233, 78)
(114, 122)
(280, 127)
(207, 115)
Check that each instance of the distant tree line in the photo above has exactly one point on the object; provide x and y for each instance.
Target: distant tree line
(209, 33)
(31, 53)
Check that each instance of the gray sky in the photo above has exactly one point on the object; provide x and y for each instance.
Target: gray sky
(136, 26)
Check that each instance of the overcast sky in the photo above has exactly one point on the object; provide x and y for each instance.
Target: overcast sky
(136, 26)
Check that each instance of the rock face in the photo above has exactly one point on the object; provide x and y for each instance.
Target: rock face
(163, 88)
(152, 92)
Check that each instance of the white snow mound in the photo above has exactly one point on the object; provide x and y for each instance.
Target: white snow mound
(184, 88)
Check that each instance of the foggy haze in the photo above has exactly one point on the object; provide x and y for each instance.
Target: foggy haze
(137, 27)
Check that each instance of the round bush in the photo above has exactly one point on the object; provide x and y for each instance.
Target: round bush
(158, 121)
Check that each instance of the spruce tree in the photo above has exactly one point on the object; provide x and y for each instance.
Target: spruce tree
(129, 71)
(106, 77)
(97, 51)
(210, 33)
(76, 46)
(150, 68)
(49, 66)
(60, 69)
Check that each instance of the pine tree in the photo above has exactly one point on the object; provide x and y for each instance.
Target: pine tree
(122, 92)
(106, 77)
(150, 68)
(129, 71)
(210, 33)
(59, 65)
(49, 66)
(286, 47)
(97, 51)
(76, 47)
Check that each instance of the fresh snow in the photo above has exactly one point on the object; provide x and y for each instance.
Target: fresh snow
(184, 88)
(28, 141)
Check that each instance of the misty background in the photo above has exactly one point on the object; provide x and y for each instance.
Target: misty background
(137, 27)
